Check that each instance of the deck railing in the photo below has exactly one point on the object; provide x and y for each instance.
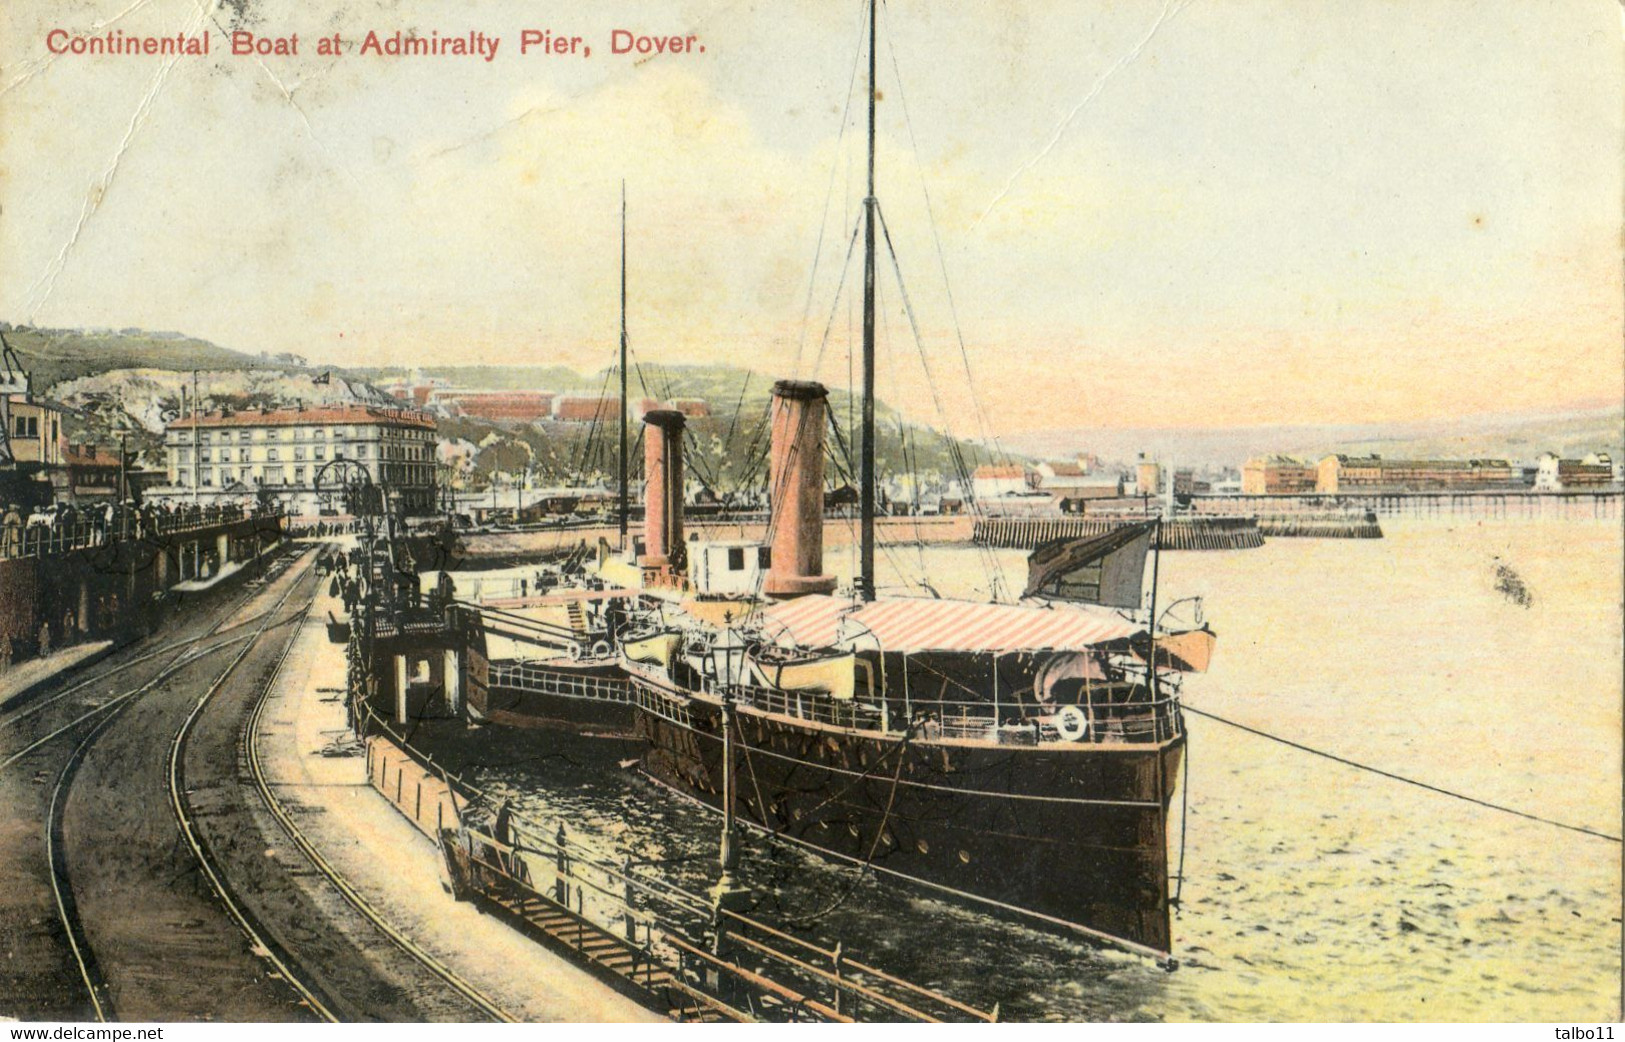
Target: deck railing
(1150, 721)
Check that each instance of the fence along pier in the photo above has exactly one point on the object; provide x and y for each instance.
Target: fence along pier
(671, 949)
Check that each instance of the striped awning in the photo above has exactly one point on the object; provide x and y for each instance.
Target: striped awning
(916, 624)
(810, 622)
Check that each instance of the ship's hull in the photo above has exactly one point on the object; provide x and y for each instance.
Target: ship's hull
(1075, 834)
(566, 705)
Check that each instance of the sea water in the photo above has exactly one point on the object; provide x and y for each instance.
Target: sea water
(1312, 890)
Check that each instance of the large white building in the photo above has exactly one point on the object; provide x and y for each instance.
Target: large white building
(234, 455)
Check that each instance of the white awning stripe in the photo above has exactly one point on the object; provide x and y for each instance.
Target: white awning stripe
(916, 624)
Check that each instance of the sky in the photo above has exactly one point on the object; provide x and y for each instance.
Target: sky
(1123, 213)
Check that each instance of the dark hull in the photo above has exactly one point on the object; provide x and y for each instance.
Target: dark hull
(1075, 834)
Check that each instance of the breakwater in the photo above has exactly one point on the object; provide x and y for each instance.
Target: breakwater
(1197, 533)
(1320, 526)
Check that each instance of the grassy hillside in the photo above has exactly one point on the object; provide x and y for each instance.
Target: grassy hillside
(55, 356)
(120, 383)
(726, 449)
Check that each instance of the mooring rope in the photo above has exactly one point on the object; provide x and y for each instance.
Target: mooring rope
(1399, 777)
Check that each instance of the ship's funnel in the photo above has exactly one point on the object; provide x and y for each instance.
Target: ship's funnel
(663, 491)
(796, 491)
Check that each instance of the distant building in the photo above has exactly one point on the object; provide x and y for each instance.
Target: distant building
(584, 409)
(1148, 477)
(693, 408)
(993, 480)
(1342, 473)
(1070, 482)
(92, 474)
(1277, 475)
(1187, 484)
(519, 407)
(31, 445)
(232, 455)
(415, 390)
(1554, 474)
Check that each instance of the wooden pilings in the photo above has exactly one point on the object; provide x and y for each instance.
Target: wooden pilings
(1325, 526)
(1197, 533)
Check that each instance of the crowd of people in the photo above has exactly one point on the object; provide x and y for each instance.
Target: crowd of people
(324, 528)
(396, 584)
(65, 526)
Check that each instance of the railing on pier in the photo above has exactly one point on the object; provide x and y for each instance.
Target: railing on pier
(25, 538)
(681, 947)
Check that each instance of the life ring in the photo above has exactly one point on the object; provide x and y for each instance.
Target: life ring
(601, 649)
(575, 652)
(1072, 723)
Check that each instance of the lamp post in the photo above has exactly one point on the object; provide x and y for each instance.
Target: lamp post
(727, 894)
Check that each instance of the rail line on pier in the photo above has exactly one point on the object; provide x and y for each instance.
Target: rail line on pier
(244, 919)
(28, 707)
(279, 811)
(67, 910)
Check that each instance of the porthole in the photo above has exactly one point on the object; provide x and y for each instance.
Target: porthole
(886, 838)
(964, 857)
(922, 846)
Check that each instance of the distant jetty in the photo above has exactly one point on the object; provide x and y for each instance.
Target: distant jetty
(1320, 526)
(1192, 533)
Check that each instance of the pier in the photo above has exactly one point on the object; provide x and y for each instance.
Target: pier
(1602, 504)
(672, 950)
(84, 580)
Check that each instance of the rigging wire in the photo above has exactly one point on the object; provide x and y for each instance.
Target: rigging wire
(942, 261)
(1187, 707)
(991, 565)
(829, 190)
(592, 431)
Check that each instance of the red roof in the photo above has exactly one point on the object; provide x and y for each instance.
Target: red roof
(586, 409)
(911, 625)
(992, 470)
(348, 413)
(502, 405)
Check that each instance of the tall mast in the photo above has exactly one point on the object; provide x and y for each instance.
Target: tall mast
(624, 507)
(866, 564)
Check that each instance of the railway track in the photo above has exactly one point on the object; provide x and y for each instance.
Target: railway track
(26, 708)
(245, 920)
(322, 967)
(67, 908)
(365, 908)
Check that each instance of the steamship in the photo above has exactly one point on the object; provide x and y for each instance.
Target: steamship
(1017, 756)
